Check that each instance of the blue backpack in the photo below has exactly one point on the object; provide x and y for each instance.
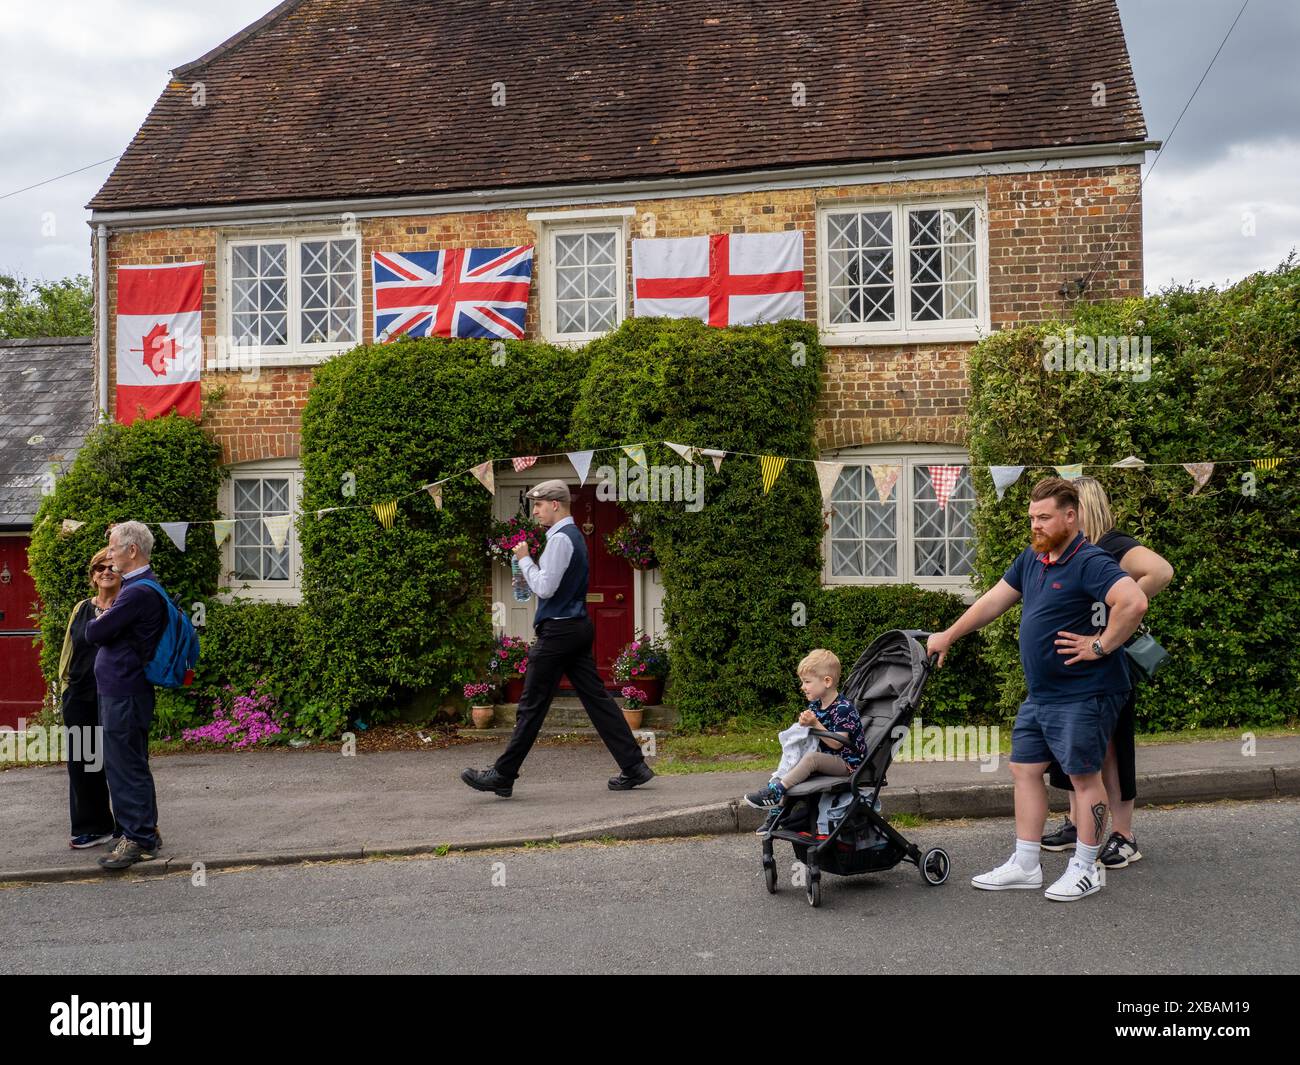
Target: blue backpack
(173, 662)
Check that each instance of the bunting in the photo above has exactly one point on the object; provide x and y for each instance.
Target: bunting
(828, 475)
(222, 528)
(1070, 472)
(277, 525)
(581, 461)
(885, 475)
(636, 452)
(1004, 477)
(944, 479)
(1266, 464)
(772, 466)
(385, 512)
(483, 471)
(435, 493)
(523, 462)
(1200, 472)
(176, 531)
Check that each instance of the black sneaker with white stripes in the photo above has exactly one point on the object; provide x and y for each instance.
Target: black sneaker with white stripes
(1119, 852)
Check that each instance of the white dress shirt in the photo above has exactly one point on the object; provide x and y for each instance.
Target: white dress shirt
(556, 556)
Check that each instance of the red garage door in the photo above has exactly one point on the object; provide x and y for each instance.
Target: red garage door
(21, 685)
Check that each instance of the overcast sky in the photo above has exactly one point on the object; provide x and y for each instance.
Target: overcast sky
(77, 77)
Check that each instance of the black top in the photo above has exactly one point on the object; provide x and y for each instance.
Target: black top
(81, 670)
(1117, 543)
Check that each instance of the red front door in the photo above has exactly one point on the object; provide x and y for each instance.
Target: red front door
(609, 580)
(22, 688)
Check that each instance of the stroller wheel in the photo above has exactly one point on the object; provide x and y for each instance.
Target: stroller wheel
(935, 866)
(814, 889)
(769, 876)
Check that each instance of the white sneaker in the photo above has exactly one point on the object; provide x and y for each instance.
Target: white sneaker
(1009, 876)
(1078, 882)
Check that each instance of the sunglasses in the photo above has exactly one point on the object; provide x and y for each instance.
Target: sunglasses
(101, 568)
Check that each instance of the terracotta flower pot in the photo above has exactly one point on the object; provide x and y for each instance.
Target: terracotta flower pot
(482, 715)
(633, 718)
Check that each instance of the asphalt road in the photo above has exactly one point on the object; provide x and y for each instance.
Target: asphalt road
(1213, 895)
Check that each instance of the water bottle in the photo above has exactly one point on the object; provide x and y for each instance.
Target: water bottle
(517, 582)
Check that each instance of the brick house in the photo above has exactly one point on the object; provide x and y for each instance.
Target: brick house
(955, 167)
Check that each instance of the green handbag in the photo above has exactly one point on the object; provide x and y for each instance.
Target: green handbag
(1145, 654)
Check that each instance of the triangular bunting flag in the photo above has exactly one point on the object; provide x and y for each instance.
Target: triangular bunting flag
(435, 493)
(828, 473)
(1071, 471)
(1266, 464)
(581, 461)
(522, 462)
(483, 471)
(716, 455)
(222, 528)
(277, 525)
(885, 475)
(944, 479)
(1130, 463)
(326, 510)
(772, 466)
(1200, 472)
(176, 531)
(385, 512)
(685, 450)
(636, 452)
(70, 525)
(1004, 477)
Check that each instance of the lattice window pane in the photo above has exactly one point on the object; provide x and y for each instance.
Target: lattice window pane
(255, 557)
(586, 282)
(860, 267)
(942, 264)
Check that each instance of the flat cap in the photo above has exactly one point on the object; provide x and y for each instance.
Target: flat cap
(556, 490)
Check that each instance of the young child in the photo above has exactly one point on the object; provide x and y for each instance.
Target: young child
(819, 676)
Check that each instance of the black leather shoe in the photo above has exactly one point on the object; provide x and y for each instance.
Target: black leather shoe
(488, 780)
(641, 774)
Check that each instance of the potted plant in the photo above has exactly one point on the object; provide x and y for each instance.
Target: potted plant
(643, 662)
(480, 710)
(634, 705)
(507, 665)
(630, 541)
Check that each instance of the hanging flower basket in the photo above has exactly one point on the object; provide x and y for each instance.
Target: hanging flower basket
(517, 530)
(629, 541)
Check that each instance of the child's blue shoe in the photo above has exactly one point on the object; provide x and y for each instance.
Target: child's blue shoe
(768, 797)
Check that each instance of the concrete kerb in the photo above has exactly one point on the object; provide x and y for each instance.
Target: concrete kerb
(724, 818)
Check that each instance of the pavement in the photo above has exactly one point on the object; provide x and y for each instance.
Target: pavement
(283, 806)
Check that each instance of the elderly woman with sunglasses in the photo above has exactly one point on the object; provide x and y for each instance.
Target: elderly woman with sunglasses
(92, 819)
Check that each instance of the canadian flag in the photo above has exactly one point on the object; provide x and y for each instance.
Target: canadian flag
(159, 340)
(723, 279)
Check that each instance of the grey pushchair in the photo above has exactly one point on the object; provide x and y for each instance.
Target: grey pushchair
(885, 685)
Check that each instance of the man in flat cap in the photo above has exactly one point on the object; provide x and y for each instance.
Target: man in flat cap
(563, 647)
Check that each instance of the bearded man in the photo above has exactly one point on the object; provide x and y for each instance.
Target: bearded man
(1079, 610)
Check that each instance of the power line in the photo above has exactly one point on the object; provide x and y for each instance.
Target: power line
(1164, 144)
(89, 166)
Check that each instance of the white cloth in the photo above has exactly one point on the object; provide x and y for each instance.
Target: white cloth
(795, 743)
(556, 556)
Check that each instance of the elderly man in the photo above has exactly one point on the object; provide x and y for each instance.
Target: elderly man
(127, 634)
(1072, 652)
(563, 647)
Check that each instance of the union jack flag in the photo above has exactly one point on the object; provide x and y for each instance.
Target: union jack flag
(458, 292)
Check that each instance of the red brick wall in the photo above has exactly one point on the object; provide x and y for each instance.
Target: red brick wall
(1043, 228)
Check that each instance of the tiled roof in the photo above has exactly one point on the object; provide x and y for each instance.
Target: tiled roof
(47, 405)
(325, 99)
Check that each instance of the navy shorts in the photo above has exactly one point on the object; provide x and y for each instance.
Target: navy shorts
(1073, 734)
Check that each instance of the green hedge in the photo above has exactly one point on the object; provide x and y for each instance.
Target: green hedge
(738, 571)
(846, 619)
(163, 469)
(387, 614)
(1224, 384)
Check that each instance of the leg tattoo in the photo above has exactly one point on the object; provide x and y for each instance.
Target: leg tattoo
(1099, 819)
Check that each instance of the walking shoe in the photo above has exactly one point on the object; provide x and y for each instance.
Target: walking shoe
(766, 797)
(89, 839)
(488, 780)
(1119, 852)
(635, 777)
(1008, 877)
(126, 853)
(1078, 881)
(1063, 839)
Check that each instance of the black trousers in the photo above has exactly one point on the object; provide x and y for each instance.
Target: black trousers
(563, 648)
(126, 721)
(87, 787)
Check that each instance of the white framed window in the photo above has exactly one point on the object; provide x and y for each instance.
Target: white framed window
(582, 273)
(292, 299)
(251, 565)
(907, 538)
(903, 272)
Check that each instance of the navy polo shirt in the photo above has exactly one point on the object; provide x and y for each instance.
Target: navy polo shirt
(1059, 597)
